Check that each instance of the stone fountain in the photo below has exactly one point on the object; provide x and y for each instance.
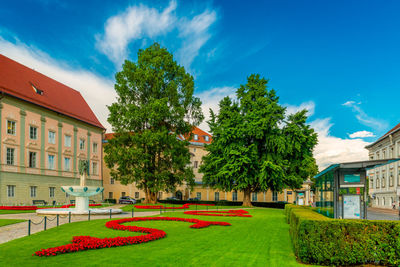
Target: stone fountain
(82, 194)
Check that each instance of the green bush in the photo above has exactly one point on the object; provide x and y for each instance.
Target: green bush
(110, 200)
(321, 240)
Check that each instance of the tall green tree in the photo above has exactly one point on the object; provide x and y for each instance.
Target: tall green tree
(154, 108)
(255, 146)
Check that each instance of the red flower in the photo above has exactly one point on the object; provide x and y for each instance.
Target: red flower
(80, 243)
(157, 207)
(231, 213)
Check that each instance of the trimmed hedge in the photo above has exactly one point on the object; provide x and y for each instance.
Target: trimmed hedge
(276, 205)
(320, 240)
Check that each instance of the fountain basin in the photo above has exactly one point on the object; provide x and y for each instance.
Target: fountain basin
(82, 191)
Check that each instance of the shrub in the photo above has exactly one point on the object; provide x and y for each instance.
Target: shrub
(321, 240)
(276, 205)
(110, 200)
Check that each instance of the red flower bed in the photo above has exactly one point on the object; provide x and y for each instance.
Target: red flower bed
(231, 213)
(80, 243)
(18, 208)
(157, 207)
(35, 207)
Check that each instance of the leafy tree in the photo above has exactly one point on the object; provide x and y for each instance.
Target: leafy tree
(255, 147)
(155, 107)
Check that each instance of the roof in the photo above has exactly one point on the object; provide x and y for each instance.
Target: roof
(29, 85)
(392, 131)
(368, 164)
(200, 134)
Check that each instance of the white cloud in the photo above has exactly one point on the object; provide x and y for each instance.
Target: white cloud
(97, 91)
(139, 22)
(361, 134)
(210, 99)
(309, 106)
(331, 149)
(363, 118)
(135, 23)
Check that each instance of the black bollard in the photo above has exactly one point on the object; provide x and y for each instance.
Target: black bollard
(132, 213)
(110, 213)
(29, 227)
(89, 215)
(58, 221)
(45, 223)
(69, 217)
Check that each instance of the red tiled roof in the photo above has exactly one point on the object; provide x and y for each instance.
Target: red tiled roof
(394, 129)
(200, 133)
(20, 81)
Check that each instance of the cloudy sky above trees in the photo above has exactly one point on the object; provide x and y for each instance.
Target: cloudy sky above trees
(333, 59)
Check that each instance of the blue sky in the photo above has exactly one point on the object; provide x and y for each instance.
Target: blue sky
(339, 59)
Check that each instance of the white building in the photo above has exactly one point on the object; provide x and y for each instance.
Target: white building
(384, 180)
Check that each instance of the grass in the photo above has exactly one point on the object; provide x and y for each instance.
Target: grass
(191, 207)
(4, 222)
(262, 240)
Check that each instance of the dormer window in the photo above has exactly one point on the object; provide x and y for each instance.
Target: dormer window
(206, 138)
(196, 137)
(37, 90)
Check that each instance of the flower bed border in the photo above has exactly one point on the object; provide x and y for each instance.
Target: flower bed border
(81, 243)
(157, 207)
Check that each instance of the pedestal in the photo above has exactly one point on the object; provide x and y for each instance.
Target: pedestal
(82, 204)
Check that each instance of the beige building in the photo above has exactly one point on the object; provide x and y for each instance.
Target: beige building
(384, 180)
(46, 129)
(114, 190)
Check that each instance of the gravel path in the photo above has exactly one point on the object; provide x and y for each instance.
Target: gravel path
(14, 231)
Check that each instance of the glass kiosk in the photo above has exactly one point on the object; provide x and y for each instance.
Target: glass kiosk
(341, 189)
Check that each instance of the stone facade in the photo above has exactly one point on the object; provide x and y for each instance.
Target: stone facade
(384, 180)
(36, 156)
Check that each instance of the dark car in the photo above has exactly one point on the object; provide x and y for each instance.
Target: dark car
(193, 199)
(126, 200)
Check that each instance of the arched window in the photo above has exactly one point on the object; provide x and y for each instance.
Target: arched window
(377, 183)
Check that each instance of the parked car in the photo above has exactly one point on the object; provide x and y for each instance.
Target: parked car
(126, 200)
(172, 198)
(193, 199)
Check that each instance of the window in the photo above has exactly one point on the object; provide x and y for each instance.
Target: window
(112, 181)
(123, 194)
(33, 191)
(50, 160)
(67, 140)
(383, 154)
(194, 150)
(52, 137)
(33, 132)
(67, 164)
(378, 185)
(274, 196)
(11, 127)
(391, 179)
(196, 137)
(254, 197)
(32, 159)
(383, 180)
(51, 191)
(234, 196)
(94, 148)
(216, 196)
(10, 156)
(11, 190)
(95, 170)
(136, 194)
(195, 164)
(371, 182)
(110, 195)
(198, 195)
(81, 144)
(206, 138)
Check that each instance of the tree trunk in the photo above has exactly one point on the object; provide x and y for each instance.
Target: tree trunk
(150, 197)
(246, 197)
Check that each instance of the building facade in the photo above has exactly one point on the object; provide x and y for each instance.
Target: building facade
(384, 180)
(46, 129)
(114, 189)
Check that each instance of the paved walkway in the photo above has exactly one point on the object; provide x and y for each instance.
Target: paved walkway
(14, 231)
(382, 214)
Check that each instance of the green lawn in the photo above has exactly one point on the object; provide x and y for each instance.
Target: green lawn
(262, 240)
(4, 222)
(191, 207)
